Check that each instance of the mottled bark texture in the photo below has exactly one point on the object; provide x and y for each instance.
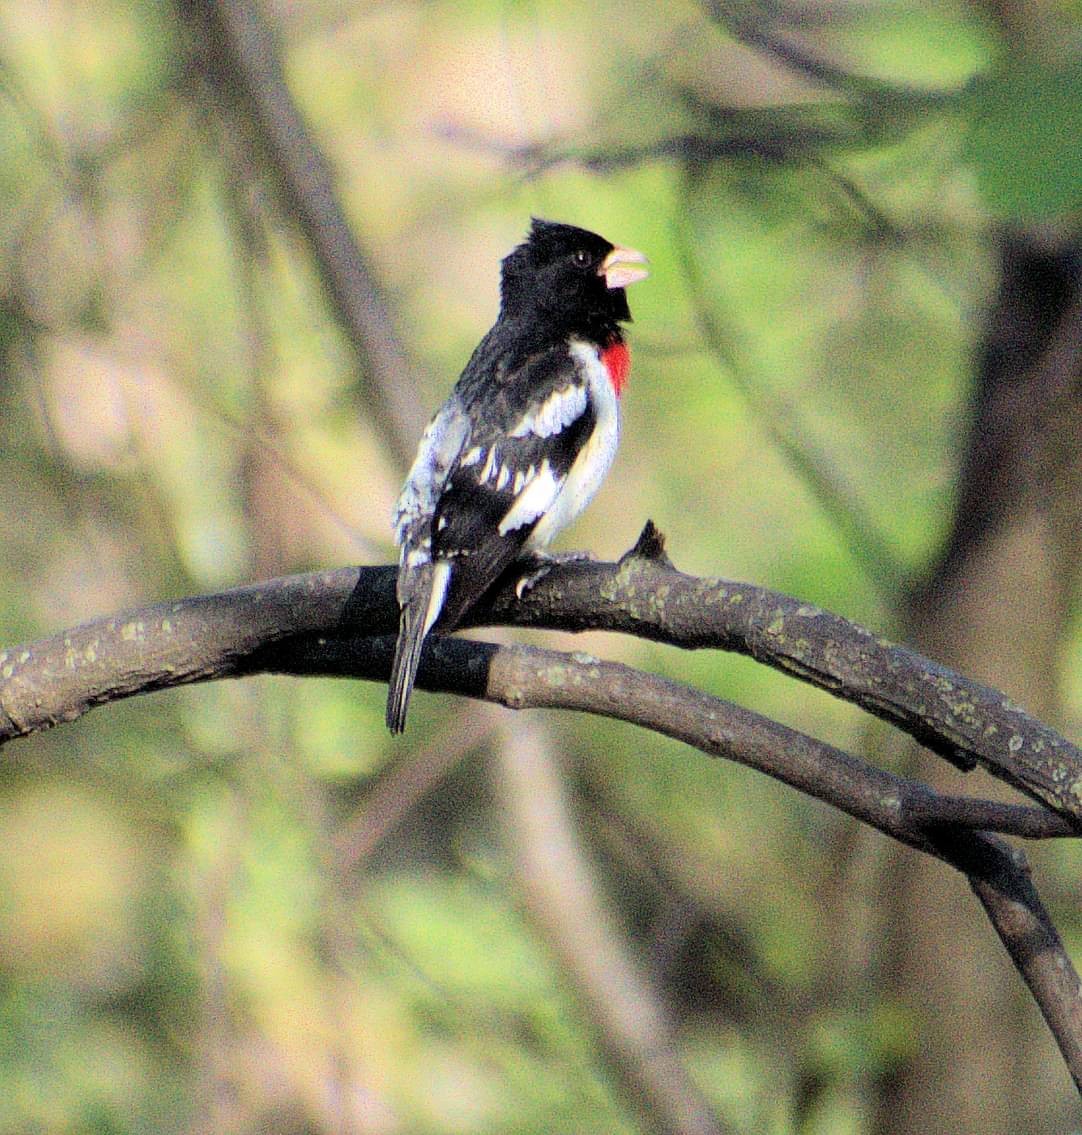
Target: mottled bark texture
(217, 636)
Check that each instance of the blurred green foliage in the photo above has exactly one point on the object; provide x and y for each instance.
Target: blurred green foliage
(1025, 139)
(181, 947)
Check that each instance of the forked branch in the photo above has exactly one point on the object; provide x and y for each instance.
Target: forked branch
(340, 623)
(215, 636)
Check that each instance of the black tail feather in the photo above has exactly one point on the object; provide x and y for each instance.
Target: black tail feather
(421, 594)
(407, 657)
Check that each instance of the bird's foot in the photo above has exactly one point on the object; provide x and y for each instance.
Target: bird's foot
(539, 564)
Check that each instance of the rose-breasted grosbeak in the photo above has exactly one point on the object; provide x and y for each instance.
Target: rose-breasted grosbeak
(523, 442)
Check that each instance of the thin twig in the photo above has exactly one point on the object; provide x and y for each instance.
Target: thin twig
(778, 420)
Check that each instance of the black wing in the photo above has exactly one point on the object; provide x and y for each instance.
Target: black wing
(520, 450)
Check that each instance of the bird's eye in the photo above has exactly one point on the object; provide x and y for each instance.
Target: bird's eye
(581, 258)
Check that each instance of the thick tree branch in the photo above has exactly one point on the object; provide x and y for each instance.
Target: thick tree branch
(1026, 402)
(525, 677)
(215, 636)
(340, 623)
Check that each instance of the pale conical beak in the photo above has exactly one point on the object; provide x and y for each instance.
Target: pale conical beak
(623, 266)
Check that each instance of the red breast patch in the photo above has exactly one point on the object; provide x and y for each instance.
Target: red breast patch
(617, 360)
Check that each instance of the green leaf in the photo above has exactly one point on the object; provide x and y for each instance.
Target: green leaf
(1025, 139)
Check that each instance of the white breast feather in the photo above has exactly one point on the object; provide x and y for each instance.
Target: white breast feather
(594, 459)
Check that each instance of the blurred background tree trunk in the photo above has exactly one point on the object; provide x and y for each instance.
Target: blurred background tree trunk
(997, 605)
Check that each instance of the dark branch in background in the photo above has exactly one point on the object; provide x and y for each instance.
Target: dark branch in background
(752, 24)
(745, 134)
(866, 111)
(1029, 386)
(240, 59)
(213, 636)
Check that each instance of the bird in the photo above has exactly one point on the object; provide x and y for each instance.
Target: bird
(524, 440)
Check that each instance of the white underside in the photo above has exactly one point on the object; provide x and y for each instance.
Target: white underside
(594, 459)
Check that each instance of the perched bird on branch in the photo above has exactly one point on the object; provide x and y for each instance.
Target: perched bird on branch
(524, 440)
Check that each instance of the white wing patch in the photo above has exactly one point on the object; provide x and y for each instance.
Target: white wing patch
(523, 477)
(441, 580)
(556, 413)
(535, 499)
